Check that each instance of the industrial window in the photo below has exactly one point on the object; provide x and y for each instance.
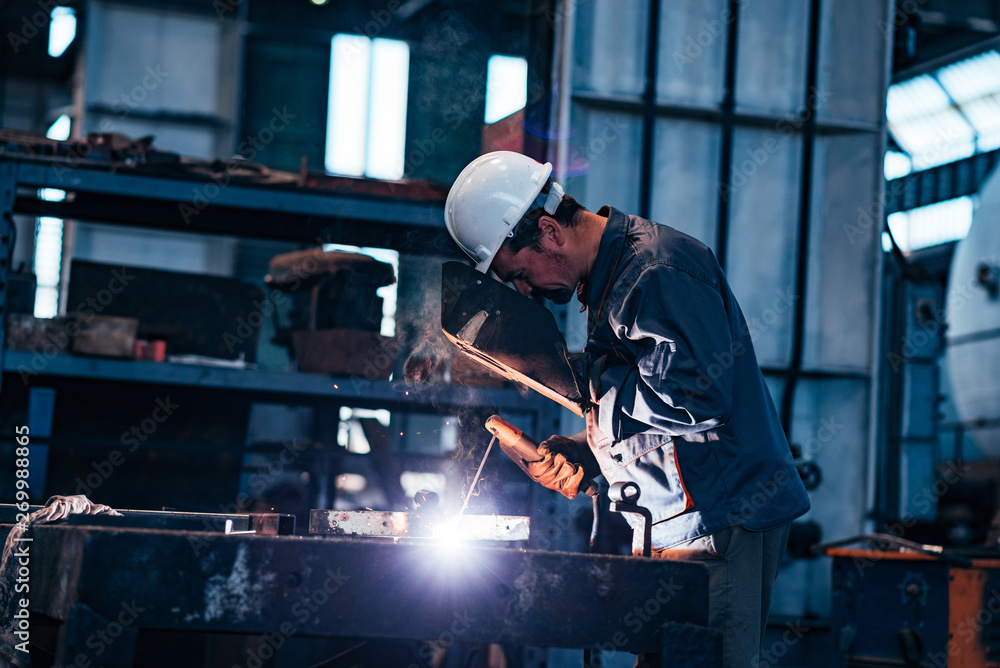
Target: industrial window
(48, 258)
(896, 164)
(933, 224)
(47, 263)
(366, 121)
(506, 87)
(948, 114)
(937, 118)
(62, 30)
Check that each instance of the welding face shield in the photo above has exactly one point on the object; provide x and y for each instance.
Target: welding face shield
(512, 335)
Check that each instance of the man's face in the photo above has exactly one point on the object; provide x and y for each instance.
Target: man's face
(536, 273)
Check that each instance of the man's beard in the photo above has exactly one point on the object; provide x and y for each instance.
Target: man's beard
(558, 296)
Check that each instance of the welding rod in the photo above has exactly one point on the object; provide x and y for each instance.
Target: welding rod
(479, 471)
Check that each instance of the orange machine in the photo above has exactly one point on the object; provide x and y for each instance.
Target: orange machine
(901, 608)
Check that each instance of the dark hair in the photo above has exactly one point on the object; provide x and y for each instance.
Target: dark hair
(526, 234)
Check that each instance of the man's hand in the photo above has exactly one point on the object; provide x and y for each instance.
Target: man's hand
(574, 449)
(564, 465)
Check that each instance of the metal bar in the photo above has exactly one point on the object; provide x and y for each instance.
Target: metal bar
(694, 112)
(886, 456)
(979, 423)
(150, 519)
(311, 586)
(936, 551)
(816, 374)
(954, 179)
(805, 206)
(649, 111)
(387, 524)
(728, 131)
(198, 120)
(974, 337)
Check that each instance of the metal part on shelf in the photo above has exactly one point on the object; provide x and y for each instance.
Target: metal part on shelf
(386, 524)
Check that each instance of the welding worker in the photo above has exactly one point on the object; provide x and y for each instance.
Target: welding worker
(678, 403)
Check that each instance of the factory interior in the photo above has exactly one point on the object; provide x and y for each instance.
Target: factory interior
(259, 409)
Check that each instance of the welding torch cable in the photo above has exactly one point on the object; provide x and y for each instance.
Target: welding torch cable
(472, 487)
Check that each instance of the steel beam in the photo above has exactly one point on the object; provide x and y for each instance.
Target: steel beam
(937, 184)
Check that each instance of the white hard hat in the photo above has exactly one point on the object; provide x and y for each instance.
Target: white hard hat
(491, 196)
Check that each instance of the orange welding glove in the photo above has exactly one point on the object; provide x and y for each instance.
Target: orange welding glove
(557, 473)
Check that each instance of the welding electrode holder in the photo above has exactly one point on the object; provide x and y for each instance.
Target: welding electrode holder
(523, 450)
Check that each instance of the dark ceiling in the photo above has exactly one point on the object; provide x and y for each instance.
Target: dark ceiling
(930, 32)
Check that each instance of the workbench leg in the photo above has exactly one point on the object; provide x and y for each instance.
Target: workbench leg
(89, 639)
(691, 646)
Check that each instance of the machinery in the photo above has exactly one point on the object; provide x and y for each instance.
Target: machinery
(912, 608)
(973, 314)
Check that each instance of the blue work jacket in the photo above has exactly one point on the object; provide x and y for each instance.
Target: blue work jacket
(681, 407)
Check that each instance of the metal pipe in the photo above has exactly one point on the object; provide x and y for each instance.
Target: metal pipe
(728, 133)
(562, 74)
(805, 206)
(649, 112)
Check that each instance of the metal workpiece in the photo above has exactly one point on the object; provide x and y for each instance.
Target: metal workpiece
(337, 587)
(625, 500)
(269, 524)
(389, 524)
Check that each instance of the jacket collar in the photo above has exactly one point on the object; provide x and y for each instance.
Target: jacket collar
(608, 254)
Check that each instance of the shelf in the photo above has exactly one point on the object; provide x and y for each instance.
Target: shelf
(273, 385)
(399, 216)
(197, 204)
